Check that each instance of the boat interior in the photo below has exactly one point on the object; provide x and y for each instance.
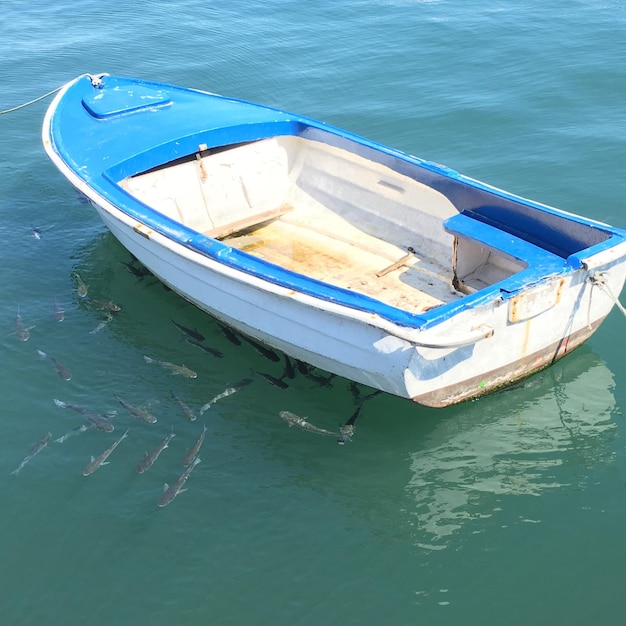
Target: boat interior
(329, 213)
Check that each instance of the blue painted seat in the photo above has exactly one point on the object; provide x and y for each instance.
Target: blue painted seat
(540, 262)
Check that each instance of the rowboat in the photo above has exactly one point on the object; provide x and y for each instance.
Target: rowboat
(381, 267)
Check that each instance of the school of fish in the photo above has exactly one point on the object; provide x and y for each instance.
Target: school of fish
(104, 421)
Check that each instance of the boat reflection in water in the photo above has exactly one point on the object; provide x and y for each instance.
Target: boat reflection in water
(556, 427)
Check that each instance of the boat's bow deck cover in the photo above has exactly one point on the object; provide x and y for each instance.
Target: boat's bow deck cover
(104, 103)
(119, 127)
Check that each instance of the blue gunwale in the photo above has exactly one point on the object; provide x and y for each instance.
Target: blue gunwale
(90, 133)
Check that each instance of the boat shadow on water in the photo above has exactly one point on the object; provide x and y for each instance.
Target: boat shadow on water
(539, 436)
(441, 475)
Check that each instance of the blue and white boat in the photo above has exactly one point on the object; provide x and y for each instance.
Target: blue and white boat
(381, 267)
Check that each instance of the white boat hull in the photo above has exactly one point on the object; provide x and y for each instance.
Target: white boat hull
(367, 262)
(335, 339)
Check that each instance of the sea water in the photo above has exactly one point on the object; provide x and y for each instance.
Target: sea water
(509, 509)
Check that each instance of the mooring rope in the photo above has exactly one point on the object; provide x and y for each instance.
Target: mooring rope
(21, 106)
(96, 81)
(599, 279)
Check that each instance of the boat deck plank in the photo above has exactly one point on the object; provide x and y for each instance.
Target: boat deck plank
(416, 286)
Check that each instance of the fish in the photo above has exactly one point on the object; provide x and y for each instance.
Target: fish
(108, 305)
(61, 369)
(107, 318)
(307, 370)
(358, 397)
(289, 370)
(81, 288)
(262, 350)
(191, 454)
(347, 430)
(97, 462)
(82, 198)
(75, 431)
(194, 334)
(301, 422)
(355, 390)
(74, 407)
(345, 434)
(37, 232)
(187, 412)
(323, 381)
(352, 419)
(176, 369)
(211, 351)
(36, 449)
(138, 272)
(277, 382)
(230, 335)
(227, 392)
(138, 412)
(244, 382)
(59, 313)
(21, 332)
(303, 368)
(171, 491)
(374, 393)
(292, 419)
(98, 421)
(150, 457)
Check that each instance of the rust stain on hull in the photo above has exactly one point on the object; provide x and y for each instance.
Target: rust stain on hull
(495, 380)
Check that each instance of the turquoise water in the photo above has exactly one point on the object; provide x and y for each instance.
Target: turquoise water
(505, 510)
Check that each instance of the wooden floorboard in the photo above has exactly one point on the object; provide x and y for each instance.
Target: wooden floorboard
(416, 286)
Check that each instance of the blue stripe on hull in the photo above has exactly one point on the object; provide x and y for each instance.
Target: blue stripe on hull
(123, 127)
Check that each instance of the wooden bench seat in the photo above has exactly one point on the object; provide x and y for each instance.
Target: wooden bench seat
(252, 221)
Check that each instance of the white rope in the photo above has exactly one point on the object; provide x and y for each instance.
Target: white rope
(96, 81)
(21, 106)
(600, 279)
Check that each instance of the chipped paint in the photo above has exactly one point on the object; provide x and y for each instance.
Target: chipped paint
(535, 300)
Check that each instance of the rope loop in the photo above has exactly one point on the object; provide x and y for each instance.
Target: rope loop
(96, 79)
(598, 279)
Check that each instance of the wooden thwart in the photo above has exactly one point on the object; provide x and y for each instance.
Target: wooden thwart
(248, 222)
